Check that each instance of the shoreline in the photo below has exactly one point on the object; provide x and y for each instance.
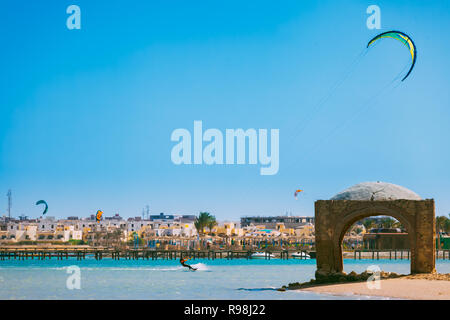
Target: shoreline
(430, 286)
(402, 288)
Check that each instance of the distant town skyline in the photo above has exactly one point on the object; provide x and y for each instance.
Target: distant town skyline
(143, 215)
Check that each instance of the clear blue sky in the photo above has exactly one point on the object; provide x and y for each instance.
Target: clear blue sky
(86, 115)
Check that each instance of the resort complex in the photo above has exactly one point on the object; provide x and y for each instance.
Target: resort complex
(139, 232)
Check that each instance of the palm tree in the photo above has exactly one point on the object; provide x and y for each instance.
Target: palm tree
(368, 224)
(447, 225)
(442, 225)
(201, 221)
(387, 223)
(205, 220)
(211, 223)
(397, 224)
(117, 235)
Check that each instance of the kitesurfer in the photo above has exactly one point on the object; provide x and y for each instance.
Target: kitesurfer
(183, 263)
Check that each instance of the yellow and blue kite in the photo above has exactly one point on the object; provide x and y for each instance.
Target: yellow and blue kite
(403, 38)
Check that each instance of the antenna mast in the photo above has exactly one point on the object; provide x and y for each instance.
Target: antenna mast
(9, 203)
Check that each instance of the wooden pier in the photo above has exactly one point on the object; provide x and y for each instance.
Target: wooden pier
(398, 254)
(135, 254)
(152, 254)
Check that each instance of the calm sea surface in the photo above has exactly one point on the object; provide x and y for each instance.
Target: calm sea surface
(147, 279)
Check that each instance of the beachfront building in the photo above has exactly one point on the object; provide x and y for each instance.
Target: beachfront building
(135, 224)
(96, 238)
(115, 217)
(271, 222)
(146, 233)
(228, 228)
(305, 231)
(386, 239)
(160, 229)
(188, 229)
(163, 218)
(19, 233)
(186, 218)
(31, 232)
(285, 231)
(260, 231)
(176, 230)
(28, 232)
(4, 236)
(47, 224)
(167, 228)
(82, 225)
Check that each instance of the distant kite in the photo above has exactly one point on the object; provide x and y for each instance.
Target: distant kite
(403, 38)
(296, 193)
(99, 215)
(46, 205)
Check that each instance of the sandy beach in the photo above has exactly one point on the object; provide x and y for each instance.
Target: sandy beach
(404, 288)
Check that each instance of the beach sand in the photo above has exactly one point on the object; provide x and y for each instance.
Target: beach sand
(415, 288)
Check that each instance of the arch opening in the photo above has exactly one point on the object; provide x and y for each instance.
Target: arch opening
(375, 237)
(360, 213)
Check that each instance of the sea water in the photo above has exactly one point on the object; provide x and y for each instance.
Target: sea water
(167, 279)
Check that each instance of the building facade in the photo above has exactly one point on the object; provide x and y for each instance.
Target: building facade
(271, 222)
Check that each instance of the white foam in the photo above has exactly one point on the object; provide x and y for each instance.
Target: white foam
(200, 267)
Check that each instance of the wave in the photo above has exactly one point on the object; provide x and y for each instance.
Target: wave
(200, 267)
(258, 289)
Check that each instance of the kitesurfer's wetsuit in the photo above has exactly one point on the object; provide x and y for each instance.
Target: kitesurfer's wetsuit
(182, 261)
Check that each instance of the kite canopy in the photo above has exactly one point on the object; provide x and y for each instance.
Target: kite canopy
(45, 203)
(403, 38)
(99, 215)
(296, 193)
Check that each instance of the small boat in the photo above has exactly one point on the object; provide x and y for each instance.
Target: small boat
(262, 255)
(300, 255)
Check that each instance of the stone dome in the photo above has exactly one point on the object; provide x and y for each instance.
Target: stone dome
(376, 191)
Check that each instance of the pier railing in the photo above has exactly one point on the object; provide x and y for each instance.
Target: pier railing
(394, 254)
(146, 254)
(99, 253)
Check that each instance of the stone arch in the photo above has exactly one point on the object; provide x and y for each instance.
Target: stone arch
(334, 217)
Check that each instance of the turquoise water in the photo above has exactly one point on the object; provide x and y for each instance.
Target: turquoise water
(162, 279)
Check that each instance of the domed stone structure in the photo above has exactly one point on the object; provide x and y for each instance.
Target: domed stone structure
(376, 191)
(335, 216)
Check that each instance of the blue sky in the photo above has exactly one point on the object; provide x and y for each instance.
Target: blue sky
(86, 115)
